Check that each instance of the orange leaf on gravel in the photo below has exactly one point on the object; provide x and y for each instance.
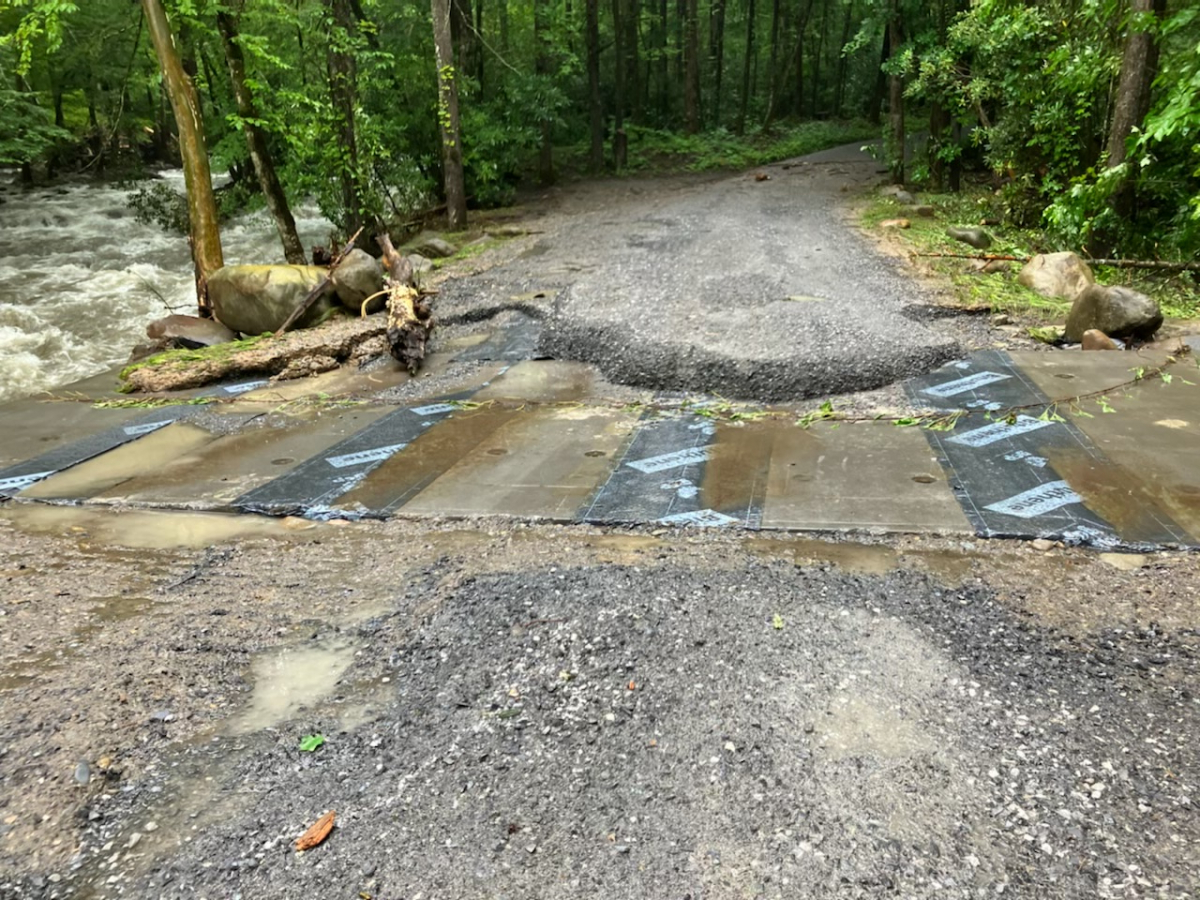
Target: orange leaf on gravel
(319, 831)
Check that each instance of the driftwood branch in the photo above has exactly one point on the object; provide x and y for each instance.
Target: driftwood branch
(1155, 264)
(409, 322)
(316, 292)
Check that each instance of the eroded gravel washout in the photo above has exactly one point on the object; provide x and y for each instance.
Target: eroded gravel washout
(659, 732)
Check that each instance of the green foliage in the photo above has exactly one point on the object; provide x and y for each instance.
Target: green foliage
(311, 742)
(26, 130)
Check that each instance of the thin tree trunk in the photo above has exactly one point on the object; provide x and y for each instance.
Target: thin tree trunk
(618, 69)
(343, 91)
(256, 142)
(896, 102)
(816, 75)
(716, 55)
(773, 64)
(692, 51)
(462, 37)
(452, 164)
(839, 90)
(633, 88)
(664, 97)
(541, 40)
(479, 57)
(202, 206)
(504, 27)
(747, 68)
(875, 105)
(592, 45)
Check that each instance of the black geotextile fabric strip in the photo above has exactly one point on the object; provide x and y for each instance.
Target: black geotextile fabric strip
(1000, 466)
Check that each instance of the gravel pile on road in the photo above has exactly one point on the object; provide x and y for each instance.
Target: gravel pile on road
(770, 731)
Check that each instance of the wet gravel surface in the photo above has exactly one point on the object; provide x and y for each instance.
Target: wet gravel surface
(563, 712)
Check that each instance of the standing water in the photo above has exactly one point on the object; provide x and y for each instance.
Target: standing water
(80, 278)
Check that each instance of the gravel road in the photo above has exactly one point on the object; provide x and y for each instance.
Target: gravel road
(567, 712)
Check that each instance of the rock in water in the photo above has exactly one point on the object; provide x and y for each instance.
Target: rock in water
(1117, 311)
(1097, 340)
(1056, 275)
(435, 248)
(258, 299)
(976, 237)
(358, 277)
(189, 331)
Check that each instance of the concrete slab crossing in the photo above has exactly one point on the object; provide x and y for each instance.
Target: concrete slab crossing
(531, 441)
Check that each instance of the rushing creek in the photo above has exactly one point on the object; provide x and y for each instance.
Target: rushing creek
(80, 278)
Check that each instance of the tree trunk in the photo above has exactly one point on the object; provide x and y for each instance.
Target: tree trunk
(716, 55)
(202, 206)
(632, 64)
(839, 90)
(691, 94)
(596, 109)
(816, 74)
(773, 64)
(747, 68)
(618, 68)
(896, 102)
(541, 40)
(462, 37)
(504, 27)
(1138, 69)
(479, 57)
(875, 104)
(664, 97)
(256, 142)
(452, 164)
(343, 91)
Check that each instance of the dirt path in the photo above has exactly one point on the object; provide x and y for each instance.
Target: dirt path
(751, 289)
(569, 712)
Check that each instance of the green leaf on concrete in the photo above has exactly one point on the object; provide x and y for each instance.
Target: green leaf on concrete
(311, 742)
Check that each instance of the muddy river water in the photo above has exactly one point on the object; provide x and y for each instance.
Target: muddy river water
(80, 277)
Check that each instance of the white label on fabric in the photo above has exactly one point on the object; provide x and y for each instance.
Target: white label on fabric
(20, 482)
(363, 456)
(998, 431)
(146, 428)
(704, 518)
(687, 457)
(1037, 501)
(962, 385)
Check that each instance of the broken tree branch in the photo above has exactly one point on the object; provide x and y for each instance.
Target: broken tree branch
(409, 322)
(316, 292)
(1159, 265)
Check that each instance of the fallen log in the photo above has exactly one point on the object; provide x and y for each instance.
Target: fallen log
(294, 355)
(409, 322)
(317, 291)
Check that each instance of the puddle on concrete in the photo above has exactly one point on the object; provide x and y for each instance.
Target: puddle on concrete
(171, 446)
(290, 679)
(144, 529)
(1134, 504)
(735, 476)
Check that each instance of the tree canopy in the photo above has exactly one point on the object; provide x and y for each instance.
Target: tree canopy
(1084, 114)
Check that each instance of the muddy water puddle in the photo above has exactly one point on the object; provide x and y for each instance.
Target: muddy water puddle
(289, 680)
(149, 530)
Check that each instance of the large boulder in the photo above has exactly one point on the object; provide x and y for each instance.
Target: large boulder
(257, 299)
(434, 247)
(191, 332)
(1056, 275)
(976, 237)
(1117, 311)
(358, 277)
